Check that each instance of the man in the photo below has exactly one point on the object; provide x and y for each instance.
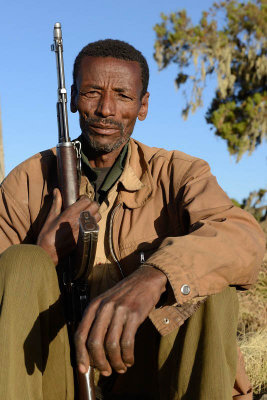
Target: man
(161, 323)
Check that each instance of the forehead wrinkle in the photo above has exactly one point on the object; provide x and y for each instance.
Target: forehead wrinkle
(115, 89)
(114, 75)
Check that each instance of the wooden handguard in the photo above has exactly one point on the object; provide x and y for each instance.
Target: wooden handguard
(67, 173)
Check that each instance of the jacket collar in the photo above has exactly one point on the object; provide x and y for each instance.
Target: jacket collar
(135, 184)
(136, 180)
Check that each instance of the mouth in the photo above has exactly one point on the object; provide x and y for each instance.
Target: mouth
(103, 129)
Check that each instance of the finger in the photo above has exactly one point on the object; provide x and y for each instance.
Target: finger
(80, 337)
(96, 338)
(97, 217)
(112, 341)
(55, 209)
(127, 340)
(93, 208)
(84, 204)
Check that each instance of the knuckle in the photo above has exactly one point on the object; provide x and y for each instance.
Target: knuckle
(106, 306)
(135, 316)
(126, 344)
(78, 338)
(122, 308)
(94, 207)
(93, 344)
(112, 345)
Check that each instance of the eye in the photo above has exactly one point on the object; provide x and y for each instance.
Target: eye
(90, 93)
(124, 96)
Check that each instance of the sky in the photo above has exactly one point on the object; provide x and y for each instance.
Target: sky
(28, 82)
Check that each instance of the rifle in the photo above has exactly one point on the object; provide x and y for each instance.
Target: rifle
(75, 277)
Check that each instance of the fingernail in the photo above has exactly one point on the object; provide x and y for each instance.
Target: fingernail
(128, 365)
(122, 371)
(82, 368)
(105, 373)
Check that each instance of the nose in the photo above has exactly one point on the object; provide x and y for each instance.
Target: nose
(106, 106)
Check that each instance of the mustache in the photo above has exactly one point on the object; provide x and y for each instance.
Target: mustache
(103, 122)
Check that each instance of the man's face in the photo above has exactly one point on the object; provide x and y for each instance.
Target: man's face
(108, 98)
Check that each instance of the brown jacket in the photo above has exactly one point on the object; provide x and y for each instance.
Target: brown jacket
(175, 217)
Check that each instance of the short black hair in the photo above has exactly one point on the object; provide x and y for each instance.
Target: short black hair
(116, 49)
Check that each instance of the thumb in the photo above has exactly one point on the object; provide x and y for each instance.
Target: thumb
(55, 209)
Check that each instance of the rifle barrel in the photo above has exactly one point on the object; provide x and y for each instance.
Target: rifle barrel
(62, 111)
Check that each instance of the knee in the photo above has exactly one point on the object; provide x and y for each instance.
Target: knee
(25, 260)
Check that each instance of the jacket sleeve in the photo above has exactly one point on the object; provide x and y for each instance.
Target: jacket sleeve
(13, 222)
(15, 218)
(222, 245)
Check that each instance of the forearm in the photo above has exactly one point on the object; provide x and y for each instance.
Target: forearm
(226, 249)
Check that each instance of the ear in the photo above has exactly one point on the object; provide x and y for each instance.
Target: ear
(144, 107)
(73, 106)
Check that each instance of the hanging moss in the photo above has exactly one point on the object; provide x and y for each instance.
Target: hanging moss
(235, 53)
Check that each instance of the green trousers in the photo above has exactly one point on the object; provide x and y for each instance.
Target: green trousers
(195, 362)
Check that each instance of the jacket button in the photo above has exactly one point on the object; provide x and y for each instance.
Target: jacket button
(185, 289)
(166, 321)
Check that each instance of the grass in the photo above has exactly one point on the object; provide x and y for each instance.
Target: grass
(252, 331)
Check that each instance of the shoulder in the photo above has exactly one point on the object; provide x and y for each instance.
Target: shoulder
(35, 170)
(153, 154)
(184, 166)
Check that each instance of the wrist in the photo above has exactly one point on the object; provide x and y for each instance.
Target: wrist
(159, 278)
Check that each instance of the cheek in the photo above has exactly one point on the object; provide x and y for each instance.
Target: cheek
(129, 116)
(130, 122)
(86, 106)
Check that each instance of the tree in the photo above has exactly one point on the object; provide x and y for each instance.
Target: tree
(230, 42)
(2, 169)
(256, 205)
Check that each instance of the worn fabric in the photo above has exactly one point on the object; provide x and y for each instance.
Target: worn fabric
(196, 361)
(169, 210)
(105, 272)
(34, 348)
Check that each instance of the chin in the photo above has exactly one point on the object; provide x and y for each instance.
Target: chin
(104, 148)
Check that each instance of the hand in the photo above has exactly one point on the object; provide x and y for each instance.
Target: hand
(105, 337)
(59, 234)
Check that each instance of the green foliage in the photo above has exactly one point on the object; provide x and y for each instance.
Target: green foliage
(235, 53)
(255, 203)
(236, 203)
